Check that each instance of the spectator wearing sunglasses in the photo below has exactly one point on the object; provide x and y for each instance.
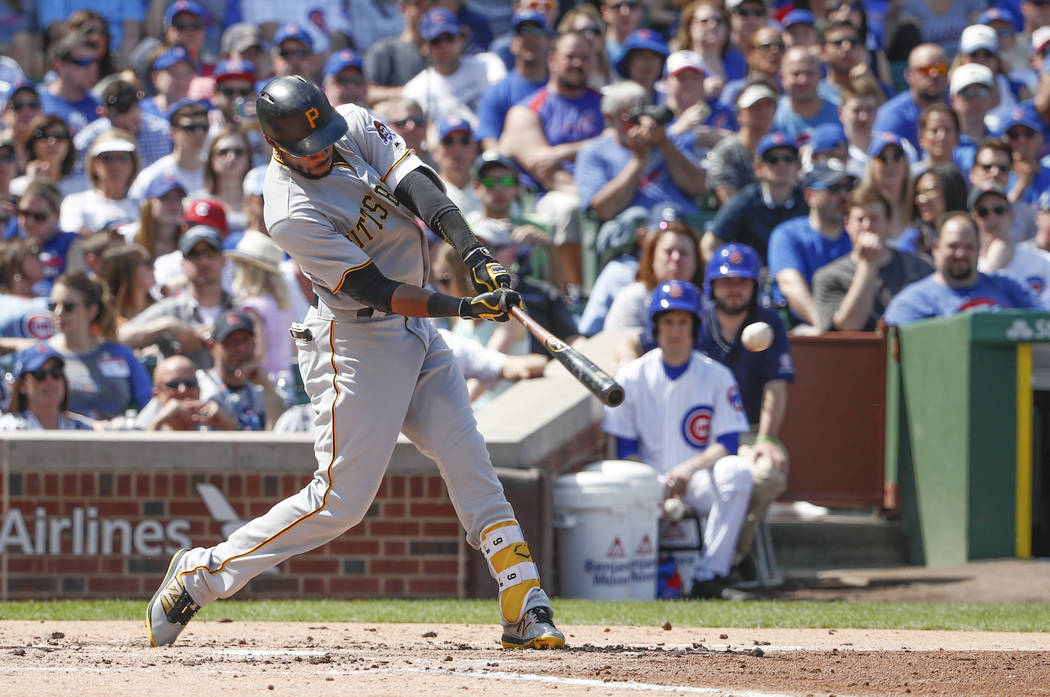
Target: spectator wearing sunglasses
(176, 403)
(971, 95)
(798, 247)
(455, 80)
(889, 171)
(478, 33)
(189, 135)
(529, 46)
(547, 9)
(233, 97)
(50, 154)
(853, 291)
(229, 160)
(927, 78)
(177, 324)
(74, 60)
(1023, 130)
(344, 80)
(37, 221)
(992, 213)
(844, 58)
(293, 52)
(956, 285)
(104, 375)
(454, 154)
(321, 26)
(745, 18)
(39, 397)
(406, 118)
(752, 213)
(979, 45)
(994, 162)
(21, 105)
(111, 166)
(120, 108)
(186, 24)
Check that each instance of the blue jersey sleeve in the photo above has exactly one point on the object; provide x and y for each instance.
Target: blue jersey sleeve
(492, 112)
(777, 362)
(626, 447)
(141, 383)
(729, 441)
(590, 173)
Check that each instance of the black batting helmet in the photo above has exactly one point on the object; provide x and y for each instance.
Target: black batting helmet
(294, 113)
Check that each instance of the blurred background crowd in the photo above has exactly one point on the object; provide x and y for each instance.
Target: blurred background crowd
(878, 159)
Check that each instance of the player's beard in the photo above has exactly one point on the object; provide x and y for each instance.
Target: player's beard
(314, 174)
(733, 306)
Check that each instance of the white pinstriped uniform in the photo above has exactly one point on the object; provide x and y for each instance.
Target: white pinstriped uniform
(367, 377)
(674, 420)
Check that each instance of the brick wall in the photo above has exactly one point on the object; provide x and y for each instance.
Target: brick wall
(110, 534)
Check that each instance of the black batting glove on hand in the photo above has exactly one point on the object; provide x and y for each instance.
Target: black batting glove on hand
(493, 306)
(486, 273)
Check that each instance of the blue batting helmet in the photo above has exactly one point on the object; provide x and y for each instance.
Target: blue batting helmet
(672, 295)
(732, 260)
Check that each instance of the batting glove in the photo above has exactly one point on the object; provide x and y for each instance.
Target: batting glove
(486, 273)
(493, 306)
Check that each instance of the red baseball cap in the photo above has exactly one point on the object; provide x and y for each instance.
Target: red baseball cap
(207, 211)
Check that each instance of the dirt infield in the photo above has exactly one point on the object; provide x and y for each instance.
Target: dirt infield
(90, 659)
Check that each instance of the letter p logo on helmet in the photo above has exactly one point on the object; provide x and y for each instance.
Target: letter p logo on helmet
(312, 114)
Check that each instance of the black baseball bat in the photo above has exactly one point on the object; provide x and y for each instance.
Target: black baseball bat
(579, 366)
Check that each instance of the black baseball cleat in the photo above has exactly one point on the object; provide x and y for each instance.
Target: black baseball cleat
(535, 630)
(171, 607)
(717, 588)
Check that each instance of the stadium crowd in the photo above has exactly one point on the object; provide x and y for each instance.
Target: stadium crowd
(880, 160)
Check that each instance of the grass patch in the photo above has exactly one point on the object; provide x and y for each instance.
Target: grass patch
(796, 614)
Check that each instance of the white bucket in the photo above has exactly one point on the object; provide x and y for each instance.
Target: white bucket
(607, 521)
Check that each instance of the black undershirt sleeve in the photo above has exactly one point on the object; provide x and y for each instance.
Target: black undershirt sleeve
(369, 287)
(424, 198)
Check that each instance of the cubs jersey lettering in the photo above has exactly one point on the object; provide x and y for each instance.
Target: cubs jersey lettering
(350, 218)
(674, 420)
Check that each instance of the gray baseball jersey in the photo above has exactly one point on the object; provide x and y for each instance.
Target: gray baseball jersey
(349, 218)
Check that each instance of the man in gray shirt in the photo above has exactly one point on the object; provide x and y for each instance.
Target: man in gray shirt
(853, 291)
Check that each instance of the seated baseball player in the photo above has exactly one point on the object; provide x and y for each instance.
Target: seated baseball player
(683, 416)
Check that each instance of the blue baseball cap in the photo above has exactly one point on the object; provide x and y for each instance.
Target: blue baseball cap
(827, 136)
(175, 54)
(438, 21)
(1000, 14)
(170, 113)
(776, 139)
(826, 174)
(798, 17)
(641, 40)
(340, 60)
(185, 6)
(883, 140)
(1043, 202)
(452, 124)
(662, 214)
(293, 31)
(526, 16)
(1022, 115)
(163, 185)
(33, 357)
(19, 85)
(199, 233)
(234, 69)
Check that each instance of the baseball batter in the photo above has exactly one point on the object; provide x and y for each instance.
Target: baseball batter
(342, 194)
(683, 415)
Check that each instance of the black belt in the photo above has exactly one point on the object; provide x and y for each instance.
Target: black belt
(363, 313)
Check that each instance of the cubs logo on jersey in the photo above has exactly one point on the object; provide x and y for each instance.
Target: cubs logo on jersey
(696, 426)
(980, 304)
(1035, 284)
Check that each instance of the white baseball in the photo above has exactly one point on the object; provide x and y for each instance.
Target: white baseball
(757, 336)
